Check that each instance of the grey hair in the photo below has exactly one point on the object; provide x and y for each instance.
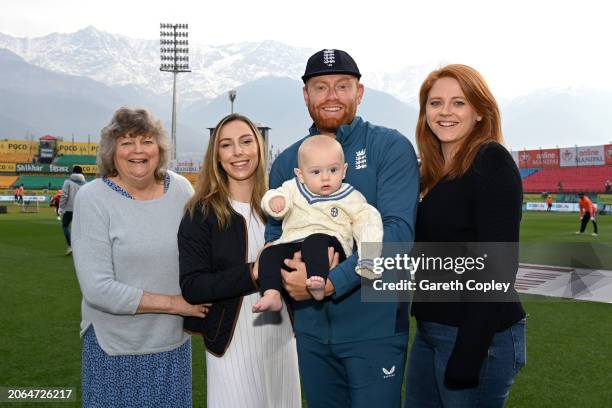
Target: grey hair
(132, 122)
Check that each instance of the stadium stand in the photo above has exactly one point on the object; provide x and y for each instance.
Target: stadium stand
(39, 182)
(528, 172)
(573, 179)
(192, 177)
(7, 182)
(72, 159)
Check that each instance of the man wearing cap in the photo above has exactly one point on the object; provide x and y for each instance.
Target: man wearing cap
(351, 353)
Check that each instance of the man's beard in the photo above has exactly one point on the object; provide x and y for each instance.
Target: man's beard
(331, 125)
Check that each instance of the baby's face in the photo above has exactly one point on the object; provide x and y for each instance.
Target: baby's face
(322, 172)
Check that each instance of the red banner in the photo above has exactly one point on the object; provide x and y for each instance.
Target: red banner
(608, 153)
(539, 158)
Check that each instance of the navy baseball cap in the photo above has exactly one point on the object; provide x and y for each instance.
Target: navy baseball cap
(329, 62)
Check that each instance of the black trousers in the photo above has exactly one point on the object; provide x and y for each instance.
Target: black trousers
(585, 220)
(314, 255)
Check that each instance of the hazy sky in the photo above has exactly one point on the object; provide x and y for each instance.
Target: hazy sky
(518, 45)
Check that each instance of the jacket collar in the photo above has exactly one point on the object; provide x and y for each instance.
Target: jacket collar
(312, 198)
(344, 132)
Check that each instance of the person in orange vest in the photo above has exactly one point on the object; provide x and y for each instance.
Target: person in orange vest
(17, 195)
(20, 191)
(587, 212)
(549, 202)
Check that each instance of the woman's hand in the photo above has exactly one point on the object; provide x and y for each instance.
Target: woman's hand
(170, 304)
(179, 306)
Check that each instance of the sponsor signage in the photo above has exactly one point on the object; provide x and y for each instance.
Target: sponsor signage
(557, 207)
(18, 146)
(186, 167)
(46, 153)
(79, 148)
(608, 153)
(40, 198)
(582, 156)
(7, 167)
(89, 168)
(41, 168)
(539, 158)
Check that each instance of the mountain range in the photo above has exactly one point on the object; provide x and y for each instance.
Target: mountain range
(69, 85)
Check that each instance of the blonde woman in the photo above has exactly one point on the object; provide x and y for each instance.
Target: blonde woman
(251, 359)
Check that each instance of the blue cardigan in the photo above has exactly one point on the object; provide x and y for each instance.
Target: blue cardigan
(382, 165)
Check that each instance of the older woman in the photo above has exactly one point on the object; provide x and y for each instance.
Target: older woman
(135, 352)
(251, 359)
(466, 353)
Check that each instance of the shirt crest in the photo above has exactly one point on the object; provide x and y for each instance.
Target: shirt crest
(360, 159)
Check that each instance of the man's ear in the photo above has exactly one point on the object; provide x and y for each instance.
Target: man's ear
(344, 170)
(299, 175)
(360, 91)
(306, 97)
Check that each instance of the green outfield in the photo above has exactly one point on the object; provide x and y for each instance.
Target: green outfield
(569, 342)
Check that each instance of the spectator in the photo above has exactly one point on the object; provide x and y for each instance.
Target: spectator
(55, 200)
(70, 188)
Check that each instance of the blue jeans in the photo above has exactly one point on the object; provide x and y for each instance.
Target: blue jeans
(430, 352)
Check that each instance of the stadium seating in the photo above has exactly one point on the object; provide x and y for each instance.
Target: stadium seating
(39, 182)
(573, 179)
(528, 172)
(72, 159)
(192, 177)
(7, 182)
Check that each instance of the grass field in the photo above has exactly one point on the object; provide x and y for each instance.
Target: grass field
(569, 342)
(550, 239)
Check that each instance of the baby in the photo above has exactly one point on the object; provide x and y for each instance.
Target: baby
(318, 211)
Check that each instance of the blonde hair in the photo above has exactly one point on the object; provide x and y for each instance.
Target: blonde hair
(212, 189)
(132, 122)
(479, 96)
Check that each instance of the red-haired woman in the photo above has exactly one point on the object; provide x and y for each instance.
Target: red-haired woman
(466, 353)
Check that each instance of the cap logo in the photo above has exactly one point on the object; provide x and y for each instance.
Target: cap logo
(329, 57)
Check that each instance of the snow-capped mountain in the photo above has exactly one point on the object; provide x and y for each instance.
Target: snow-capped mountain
(44, 88)
(117, 60)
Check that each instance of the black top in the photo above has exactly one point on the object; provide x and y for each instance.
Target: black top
(214, 269)
(484, 206)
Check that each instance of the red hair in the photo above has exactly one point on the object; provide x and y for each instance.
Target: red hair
(479, 96)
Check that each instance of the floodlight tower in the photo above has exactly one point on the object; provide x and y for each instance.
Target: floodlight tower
(174, 53)
(232, 98)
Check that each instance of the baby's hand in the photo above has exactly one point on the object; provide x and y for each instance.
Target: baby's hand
(277, 204)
